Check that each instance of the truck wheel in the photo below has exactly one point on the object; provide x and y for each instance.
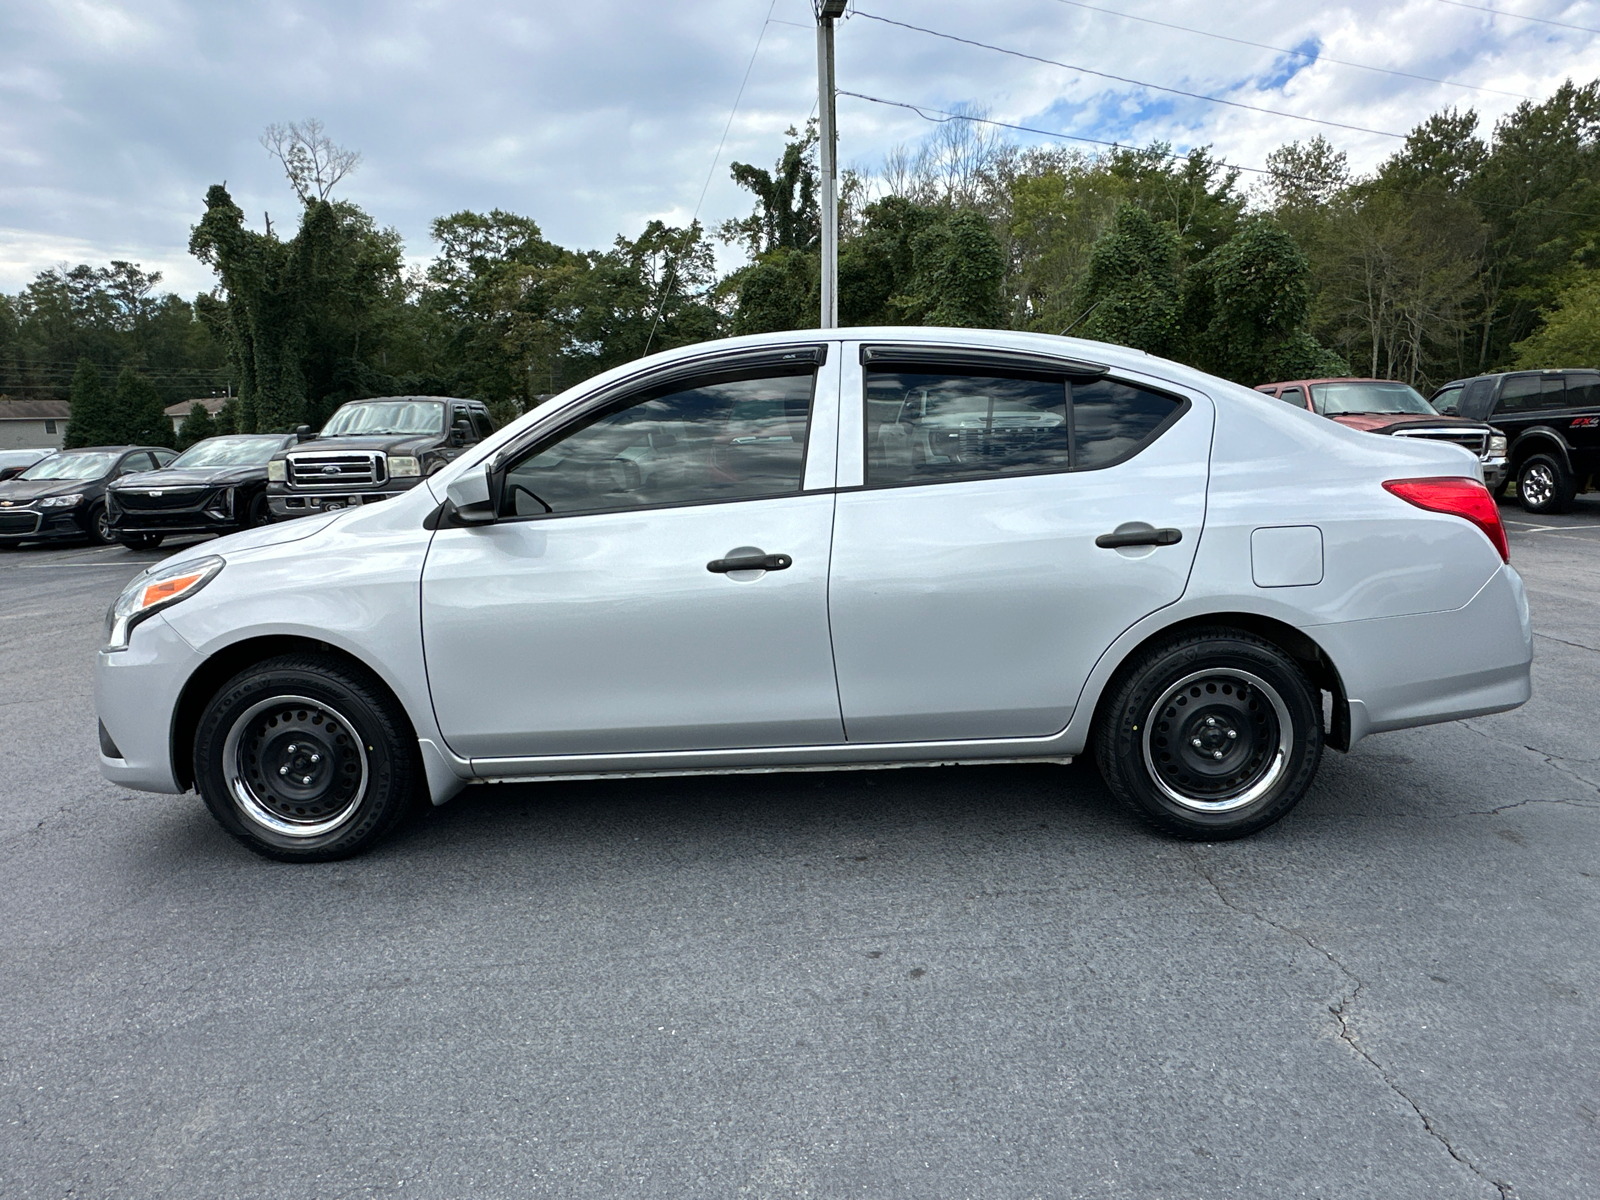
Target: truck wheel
(305, 759)
(1544, 485)
(1210, 736)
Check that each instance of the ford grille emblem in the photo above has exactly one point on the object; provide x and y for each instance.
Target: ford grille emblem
(330, 469)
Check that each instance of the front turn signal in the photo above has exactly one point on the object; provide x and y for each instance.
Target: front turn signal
(1466, 498)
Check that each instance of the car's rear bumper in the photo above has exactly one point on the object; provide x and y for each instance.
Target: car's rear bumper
(135, 694)
(1440, 666)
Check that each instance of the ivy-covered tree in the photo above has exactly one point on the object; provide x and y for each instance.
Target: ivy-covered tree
(1132, 291)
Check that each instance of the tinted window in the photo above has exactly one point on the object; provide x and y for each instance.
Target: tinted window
(1583, 391)
(163, 457)
(140, 461)
(1478, 399)
(945, 426)
(481, 423)
(1112, 420)
(1294, 396)
(1552, 392)
(1519, 393)
(730, 440)
(1448, 401)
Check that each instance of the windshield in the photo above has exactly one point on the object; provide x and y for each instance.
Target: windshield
(73, 466)
(1334, 399)
(21, 458)
(386, 416)
(230, 452)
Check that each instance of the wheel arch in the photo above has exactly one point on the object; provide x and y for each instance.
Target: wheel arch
(228, 662)
(1320, 669)
(1541, 439)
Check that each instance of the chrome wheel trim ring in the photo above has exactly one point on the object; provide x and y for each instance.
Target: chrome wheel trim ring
(1538, 484)
(1264, 779)
(251, 806)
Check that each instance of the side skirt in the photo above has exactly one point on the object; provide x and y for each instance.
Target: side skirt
(669, 772)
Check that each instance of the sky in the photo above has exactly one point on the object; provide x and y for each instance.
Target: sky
(597, 117)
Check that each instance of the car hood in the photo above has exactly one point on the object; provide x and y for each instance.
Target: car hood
(23, 491)
(399, 444)
(175, 477)
(1389, 422)
(277, 534)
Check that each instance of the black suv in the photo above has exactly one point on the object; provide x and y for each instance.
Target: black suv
(217, 485)
(371, 450)
(1551, 420)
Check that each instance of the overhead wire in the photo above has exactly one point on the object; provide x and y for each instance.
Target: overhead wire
(1500, 12)
(1223, 37)
(1156, 87)
(715, 159)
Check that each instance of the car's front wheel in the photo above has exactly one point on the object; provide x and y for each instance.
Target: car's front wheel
(100, 531)
(1212, 735)
(1544, 485)
(141, 541)
(304, 758)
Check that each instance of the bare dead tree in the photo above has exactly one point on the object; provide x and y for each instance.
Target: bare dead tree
(311, 160)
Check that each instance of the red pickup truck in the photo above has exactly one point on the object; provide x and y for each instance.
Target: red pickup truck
(1397, 409)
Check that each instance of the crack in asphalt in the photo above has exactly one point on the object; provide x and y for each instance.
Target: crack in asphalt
(1339, 1012)
(1490, 812)
(1554, 761)
(1564, 642)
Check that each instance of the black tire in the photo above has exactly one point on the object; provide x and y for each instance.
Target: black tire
(1544, 485)
(297, 712)
(1257, 718)
(259, 513)
(100, 532)
(141, 541)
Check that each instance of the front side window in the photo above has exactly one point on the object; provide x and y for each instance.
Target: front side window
(1294, 396)
(1448, 401)
(481, 423)
(932, 427)
(728, 439)
(1479, 398)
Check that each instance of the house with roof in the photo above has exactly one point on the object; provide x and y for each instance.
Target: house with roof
(32, 424)
(177, 412)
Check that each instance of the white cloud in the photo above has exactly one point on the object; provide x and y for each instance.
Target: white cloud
(594, 118)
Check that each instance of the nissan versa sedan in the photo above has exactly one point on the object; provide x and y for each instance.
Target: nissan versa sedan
(830, 550)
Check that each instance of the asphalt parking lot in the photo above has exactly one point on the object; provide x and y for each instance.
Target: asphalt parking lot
(967, 982)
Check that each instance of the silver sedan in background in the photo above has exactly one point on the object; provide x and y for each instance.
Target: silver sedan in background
(826, 550)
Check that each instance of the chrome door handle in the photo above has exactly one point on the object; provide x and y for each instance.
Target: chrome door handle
(1139, 537)
(750, 562)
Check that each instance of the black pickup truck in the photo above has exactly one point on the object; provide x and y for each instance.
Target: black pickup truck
(1551, 420)
(371, 450)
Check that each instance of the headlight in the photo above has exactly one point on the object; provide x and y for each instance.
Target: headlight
(403, 466)
(1497, 445)
(277, 470)
(155, 589)
(61, 501)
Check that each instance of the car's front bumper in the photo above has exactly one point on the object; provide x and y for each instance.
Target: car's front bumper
(136, 694)
(1494, 472)
(42, 525)
(288, 505)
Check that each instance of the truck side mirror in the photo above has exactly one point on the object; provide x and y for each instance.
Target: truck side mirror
(302, 433)
(462, 433)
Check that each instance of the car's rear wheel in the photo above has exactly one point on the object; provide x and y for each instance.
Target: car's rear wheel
(140, 541)
(305, 759)
(1212, 735)
(1544, 485)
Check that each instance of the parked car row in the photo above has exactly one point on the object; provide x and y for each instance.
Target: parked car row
(1538, 428)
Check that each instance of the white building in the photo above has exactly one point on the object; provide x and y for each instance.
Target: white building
(177, 412)
(32, 424)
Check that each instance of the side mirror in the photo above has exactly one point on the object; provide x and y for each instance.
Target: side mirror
(462, 433)
(302, 433)
(471, 498)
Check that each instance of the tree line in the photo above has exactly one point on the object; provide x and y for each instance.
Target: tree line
(1467, 250)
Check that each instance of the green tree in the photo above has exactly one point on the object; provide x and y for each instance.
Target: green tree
(787, 215)
(91, 421)
(1132, 286)
(196, 427)
(1570, 336)
(227, 418)
(956, 272)
(138, 414)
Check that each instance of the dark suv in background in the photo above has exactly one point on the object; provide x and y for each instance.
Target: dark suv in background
(217, 485)
(373, 449)
(1551, 420)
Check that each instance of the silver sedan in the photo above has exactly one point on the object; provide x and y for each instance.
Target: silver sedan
(831, 550)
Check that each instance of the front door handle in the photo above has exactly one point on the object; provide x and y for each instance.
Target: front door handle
(750, 562)
(1139, 537)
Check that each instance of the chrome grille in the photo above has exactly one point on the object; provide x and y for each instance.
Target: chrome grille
(162, 499)
(331, 470)
(1476, 440)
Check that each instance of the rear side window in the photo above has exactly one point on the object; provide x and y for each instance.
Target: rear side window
(928, 427)
(1583, 391)
(1553, 393)
(1520, 393)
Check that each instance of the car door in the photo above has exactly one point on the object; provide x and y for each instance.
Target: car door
(1583, 425)
(601, 612)
(969, 595)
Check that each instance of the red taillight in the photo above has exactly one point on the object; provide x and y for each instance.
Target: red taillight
(1460, 498)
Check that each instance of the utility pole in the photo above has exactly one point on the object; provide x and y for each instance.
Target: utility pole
(828, 11)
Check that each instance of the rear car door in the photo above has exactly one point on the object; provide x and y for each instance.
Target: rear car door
(603, 612)
(969, 597)
(1583, 423)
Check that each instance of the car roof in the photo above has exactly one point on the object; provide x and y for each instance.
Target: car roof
(430, 399)
(1328, 379)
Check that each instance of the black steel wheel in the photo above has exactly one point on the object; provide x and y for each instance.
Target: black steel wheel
(1544, 485)
(1213, 735)
(140, 541)
(306, 759)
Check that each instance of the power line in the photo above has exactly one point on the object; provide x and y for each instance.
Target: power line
(1124, 79)
(1518, 16)
(715, 158)
(1223, 37)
